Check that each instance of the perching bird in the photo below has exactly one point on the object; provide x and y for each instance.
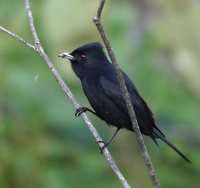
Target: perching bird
(100, 86)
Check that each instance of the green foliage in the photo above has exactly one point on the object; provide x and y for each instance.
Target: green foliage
(42, 144)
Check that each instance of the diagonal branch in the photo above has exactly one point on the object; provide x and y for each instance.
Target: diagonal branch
(74, 102)
(31, 22)
(39, 49)
(100, 9)
(131, 112)
(17, 37)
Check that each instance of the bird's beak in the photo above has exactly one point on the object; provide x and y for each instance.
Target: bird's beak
(66, 55)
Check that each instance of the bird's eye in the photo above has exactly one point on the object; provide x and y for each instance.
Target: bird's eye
(83, 57)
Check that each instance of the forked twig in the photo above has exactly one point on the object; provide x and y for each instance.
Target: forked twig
(39, 49)
(70, 95)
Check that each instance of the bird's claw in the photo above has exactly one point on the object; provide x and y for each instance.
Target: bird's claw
(103, 147)
(80, 110)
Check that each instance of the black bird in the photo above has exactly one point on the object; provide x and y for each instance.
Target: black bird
(100, 86)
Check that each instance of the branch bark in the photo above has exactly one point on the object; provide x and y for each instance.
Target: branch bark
(131, 112)
(17, 37)
(37, 47)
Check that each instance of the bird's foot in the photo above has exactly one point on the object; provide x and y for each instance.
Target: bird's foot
(80, 110)
(105, 144)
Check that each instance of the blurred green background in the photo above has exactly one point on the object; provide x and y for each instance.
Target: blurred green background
(42, 144)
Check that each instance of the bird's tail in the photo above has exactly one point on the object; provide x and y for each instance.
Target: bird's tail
(158, 134)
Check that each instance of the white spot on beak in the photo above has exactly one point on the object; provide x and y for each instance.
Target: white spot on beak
(66, 55)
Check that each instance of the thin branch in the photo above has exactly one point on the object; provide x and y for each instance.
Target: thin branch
(99, 11)
(75, 104)
(38, 48)
(31, 22)
(17, 37)
(151, 171)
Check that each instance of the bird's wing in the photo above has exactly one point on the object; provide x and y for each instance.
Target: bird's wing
(112, 90)
(143, 113)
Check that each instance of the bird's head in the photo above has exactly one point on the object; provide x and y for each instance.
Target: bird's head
(86, 59)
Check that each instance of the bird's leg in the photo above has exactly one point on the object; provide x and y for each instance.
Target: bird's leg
(80, 110)
(106, 144)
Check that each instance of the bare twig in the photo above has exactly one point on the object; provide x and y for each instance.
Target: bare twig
(17, 37)
(100, 8)
(151, 171)
(31, 22)
(39, 49)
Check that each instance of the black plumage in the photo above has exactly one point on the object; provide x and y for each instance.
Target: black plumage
(102, 90)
